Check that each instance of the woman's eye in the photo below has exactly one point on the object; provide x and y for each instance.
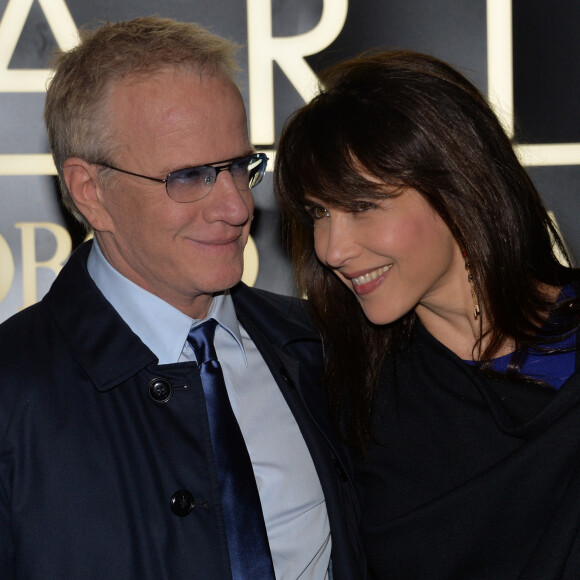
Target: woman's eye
(317, 212)
(365, 206)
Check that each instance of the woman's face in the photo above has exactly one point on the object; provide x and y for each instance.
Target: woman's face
(395, 254)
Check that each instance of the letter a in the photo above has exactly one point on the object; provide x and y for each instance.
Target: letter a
(13, 21)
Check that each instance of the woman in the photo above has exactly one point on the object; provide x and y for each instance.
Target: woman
(449, 315)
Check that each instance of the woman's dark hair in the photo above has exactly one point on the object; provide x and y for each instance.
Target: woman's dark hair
(413, 121)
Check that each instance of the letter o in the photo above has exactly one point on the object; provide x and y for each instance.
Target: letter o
(6, 268)
(251, 262)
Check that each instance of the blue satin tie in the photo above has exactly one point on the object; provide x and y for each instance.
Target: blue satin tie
(245, 529)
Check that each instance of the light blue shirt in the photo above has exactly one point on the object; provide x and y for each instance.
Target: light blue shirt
(290, 492)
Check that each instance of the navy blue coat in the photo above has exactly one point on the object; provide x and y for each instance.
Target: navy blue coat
(89, 461)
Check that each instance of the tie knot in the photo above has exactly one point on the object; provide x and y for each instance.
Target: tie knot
(201, 340)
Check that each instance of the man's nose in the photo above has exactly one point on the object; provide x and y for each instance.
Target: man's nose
(228, 203)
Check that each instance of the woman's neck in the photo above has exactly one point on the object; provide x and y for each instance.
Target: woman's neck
(459, 329)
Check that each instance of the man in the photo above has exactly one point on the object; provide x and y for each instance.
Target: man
(110, 465)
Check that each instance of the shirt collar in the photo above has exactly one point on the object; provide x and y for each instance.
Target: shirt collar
(162, 327)
(223, 310)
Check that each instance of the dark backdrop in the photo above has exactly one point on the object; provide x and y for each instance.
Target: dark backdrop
(523, 53)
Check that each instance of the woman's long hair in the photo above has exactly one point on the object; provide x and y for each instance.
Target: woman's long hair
(413, 121)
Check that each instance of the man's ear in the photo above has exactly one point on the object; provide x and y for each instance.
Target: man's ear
(81, 179)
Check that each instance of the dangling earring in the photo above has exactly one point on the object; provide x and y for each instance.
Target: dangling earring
(476, 310)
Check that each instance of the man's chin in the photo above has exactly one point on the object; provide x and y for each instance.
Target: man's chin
(225, 282)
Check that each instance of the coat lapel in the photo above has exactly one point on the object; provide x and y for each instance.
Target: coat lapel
(281, 330)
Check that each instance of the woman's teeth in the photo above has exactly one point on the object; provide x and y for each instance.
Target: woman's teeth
(370, 276)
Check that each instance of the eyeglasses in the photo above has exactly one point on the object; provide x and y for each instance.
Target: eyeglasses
(195, 183)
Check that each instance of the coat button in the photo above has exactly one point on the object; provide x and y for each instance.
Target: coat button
(160, 390)
(182, 503)
(340, 471)
(286, 377)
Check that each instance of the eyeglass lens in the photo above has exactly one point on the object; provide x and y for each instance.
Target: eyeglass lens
(194, 183)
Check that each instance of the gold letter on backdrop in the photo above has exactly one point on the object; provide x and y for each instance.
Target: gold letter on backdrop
(63, 27)
(289, 53)
(29, 263)
(6, 268)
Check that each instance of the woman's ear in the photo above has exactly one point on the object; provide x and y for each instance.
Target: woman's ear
(82, 181)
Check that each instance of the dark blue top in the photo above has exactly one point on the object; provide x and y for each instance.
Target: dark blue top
(554, 369)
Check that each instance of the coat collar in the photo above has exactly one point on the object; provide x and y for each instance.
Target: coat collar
(284, 320)
(96, 336)
(107, 349)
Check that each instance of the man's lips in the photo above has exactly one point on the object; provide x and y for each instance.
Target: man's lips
(229, 246)
(219, 241)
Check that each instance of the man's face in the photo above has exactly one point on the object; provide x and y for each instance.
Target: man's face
(182, 252)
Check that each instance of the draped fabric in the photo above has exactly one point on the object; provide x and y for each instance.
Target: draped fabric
(458, 485)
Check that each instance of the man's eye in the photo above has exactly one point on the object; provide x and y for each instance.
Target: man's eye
(317, 212)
